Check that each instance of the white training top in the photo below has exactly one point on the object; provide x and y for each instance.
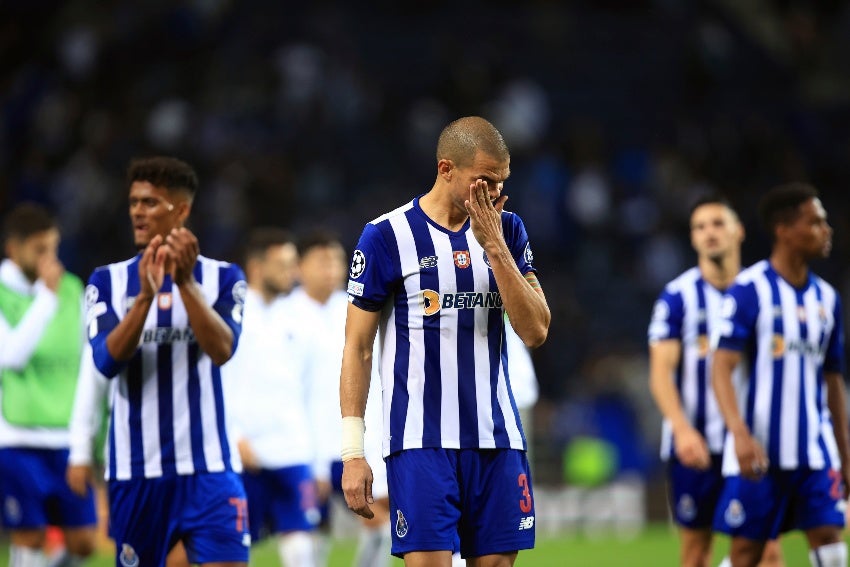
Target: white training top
(269, 387)
(324, 325)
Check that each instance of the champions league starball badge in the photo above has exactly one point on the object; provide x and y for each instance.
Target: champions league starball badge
(358, 264)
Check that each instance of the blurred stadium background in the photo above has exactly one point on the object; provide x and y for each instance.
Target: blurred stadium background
(617, 112)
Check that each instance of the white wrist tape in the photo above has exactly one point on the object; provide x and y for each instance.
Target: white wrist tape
(353, 429)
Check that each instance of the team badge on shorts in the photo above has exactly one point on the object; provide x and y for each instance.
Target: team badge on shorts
(13, 510)
(400, 525)
(128, 556)
(686, 508)
(735, 514)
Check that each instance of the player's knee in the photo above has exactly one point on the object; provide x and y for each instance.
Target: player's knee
(81, 543)
(829, 555)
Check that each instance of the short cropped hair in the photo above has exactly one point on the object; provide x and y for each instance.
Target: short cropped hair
(164, 171)
(318, 238)
(462, 138)
(262, 238)
(781, 205)
(711, 198)
(25, 220)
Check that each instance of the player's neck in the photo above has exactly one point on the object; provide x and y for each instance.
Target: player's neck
(438, 205)
(793, 268)
(266, 294)
(720, 273)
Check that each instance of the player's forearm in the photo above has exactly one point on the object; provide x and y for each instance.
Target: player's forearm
(523, 300)
(123, 341)
(666, 396)
(836, 397)
(354, 381)
(723, 365)
(213, 335)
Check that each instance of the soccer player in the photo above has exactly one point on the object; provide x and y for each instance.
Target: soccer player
(680, 378)
(319, 305)
(436, 275)
(162, 324)
(786, 453)
(41, 341)
(269, 391)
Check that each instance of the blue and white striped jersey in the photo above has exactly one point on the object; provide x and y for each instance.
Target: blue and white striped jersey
(791, 337)
(443, 359)
(687, 310)
(167, 408)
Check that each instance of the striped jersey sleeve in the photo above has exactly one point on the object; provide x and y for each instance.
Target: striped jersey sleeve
(687, 311)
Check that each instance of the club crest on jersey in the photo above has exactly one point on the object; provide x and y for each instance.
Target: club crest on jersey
(163, 300)
(401, 527)
(461, 258)
(128, 556)
(428, 262)
(358, 264)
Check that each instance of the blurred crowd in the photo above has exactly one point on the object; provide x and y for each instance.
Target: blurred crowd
(617, 112)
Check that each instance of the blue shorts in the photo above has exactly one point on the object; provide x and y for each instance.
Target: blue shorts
(781, 501)
(281, 500)
(694, 493)
(336, 488)
(207, 511)
(34, 492)
(482, 495)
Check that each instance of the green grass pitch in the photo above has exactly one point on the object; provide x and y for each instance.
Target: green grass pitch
(657, 546)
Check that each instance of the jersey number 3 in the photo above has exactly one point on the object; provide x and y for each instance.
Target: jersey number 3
(524, 503)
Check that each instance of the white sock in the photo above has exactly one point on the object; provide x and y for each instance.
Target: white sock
(830, 555)
(725, 563)
(26, 557)
(373, 547)
(457, 560)
(322, 545)
(296, 549)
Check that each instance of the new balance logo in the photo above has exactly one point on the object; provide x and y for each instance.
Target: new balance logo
(428, 262)
(526, 523)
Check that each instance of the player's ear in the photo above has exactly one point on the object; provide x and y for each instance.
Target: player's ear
(445, 169)
(184, 207)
